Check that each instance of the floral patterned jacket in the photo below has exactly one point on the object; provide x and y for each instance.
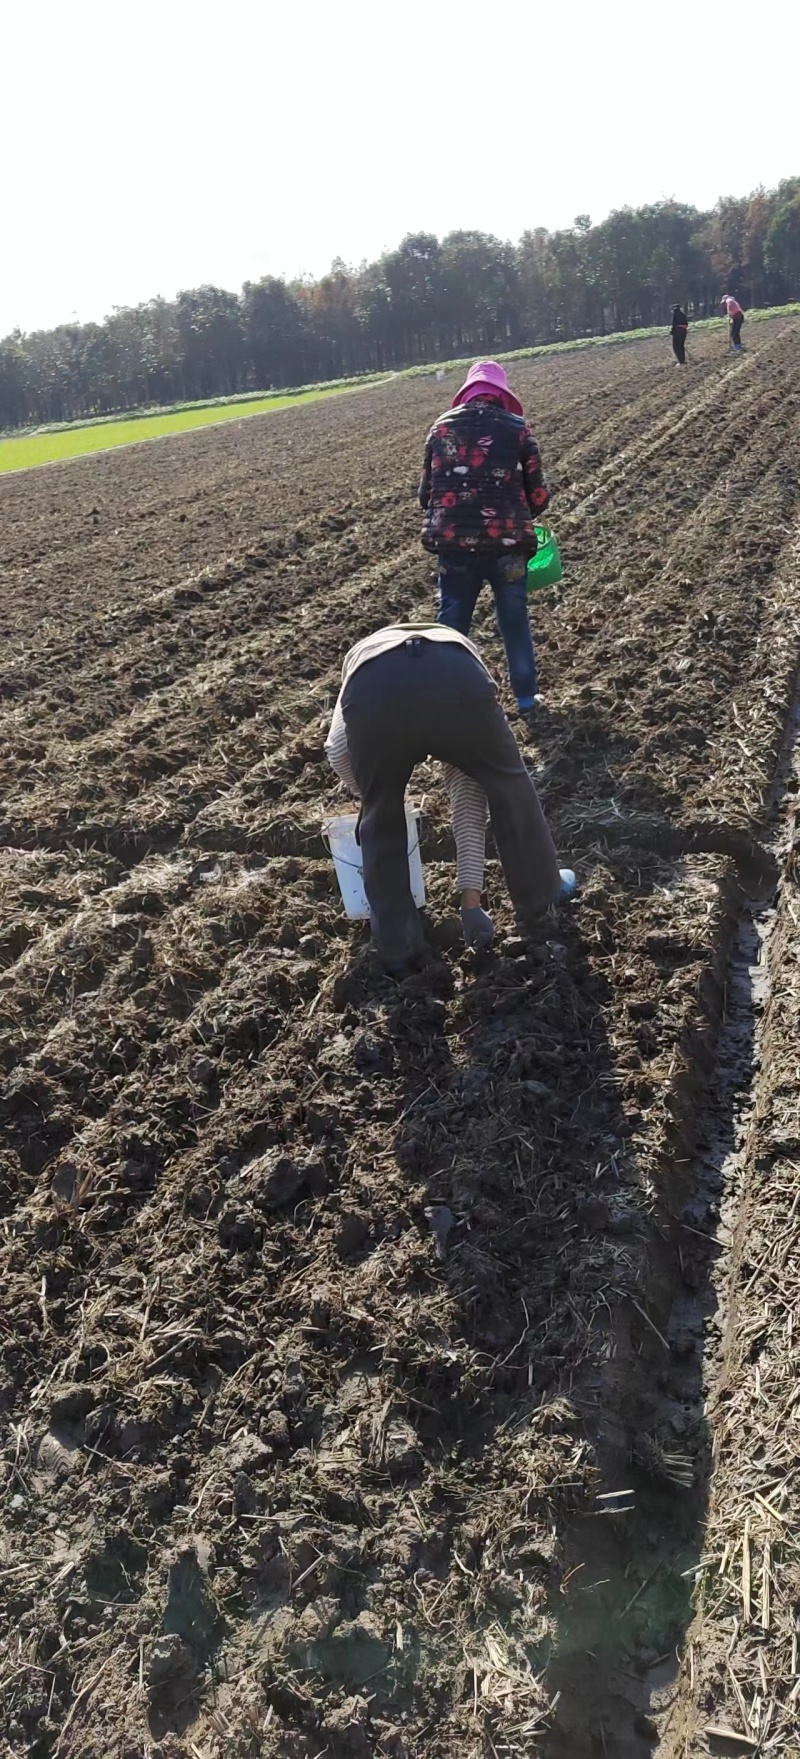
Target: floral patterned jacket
(482, 483)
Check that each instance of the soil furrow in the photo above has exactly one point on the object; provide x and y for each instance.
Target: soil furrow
(338, 1312)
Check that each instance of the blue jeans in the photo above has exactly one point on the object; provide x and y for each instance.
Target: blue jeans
(460, 579)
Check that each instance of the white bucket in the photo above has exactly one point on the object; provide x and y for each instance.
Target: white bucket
(340, 835)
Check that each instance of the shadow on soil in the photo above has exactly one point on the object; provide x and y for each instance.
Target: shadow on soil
(575, 1279)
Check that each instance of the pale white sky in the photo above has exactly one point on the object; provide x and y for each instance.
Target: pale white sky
(159, 144)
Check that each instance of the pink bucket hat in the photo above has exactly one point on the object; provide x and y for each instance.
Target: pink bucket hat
(487, 378)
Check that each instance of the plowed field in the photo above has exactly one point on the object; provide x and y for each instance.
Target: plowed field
(334, 1310)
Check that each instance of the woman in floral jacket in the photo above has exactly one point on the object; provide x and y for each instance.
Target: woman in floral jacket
(482, 487)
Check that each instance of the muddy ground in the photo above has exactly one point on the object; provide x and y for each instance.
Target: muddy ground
(336, 1311)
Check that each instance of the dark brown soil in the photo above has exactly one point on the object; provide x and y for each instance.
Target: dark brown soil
(332, 1308)
(739, 1675)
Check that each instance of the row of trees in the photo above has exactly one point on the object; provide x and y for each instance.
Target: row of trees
(429, 299)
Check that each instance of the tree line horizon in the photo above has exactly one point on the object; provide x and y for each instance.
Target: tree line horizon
(429, 299)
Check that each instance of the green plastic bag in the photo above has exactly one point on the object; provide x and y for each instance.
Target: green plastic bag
(545, 568)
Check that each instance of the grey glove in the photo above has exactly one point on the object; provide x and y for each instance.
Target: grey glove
(478, 927)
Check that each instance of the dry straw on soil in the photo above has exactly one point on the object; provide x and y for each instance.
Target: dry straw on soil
(353, 1340)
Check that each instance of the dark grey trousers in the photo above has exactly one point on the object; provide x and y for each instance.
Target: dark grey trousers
(433, 699)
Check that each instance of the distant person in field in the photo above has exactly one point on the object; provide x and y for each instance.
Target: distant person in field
(415, 691)
(481, 490)
(680, 325)
(736, 319)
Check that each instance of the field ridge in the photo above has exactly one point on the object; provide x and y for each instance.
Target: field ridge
(336, 1308)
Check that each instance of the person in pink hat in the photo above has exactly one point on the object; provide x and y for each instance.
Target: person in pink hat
(736, 319)
(482, 488)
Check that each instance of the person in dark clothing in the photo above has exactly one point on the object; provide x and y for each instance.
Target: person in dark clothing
(680, 325)
(482, 489)
(410, 692)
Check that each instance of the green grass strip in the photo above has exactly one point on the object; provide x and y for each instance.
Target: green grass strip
(615, 338)
(53, 444)
(34, 449)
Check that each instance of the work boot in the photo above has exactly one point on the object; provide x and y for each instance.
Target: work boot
(538, 925)
(400, 947)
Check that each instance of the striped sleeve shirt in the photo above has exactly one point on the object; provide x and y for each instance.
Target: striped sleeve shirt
(467, 799)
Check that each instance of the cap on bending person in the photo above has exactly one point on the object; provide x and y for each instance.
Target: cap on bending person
(410, 692)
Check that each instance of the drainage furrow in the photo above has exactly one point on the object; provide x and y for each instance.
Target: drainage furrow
(739, 1687)
(697, 1559)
